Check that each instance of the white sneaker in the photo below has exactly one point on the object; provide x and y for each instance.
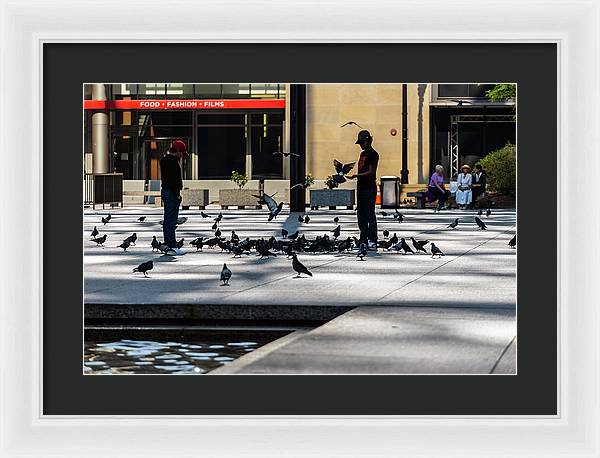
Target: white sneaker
(178, 252)
(372, 246)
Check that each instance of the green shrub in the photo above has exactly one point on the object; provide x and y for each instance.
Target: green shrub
(309, 180)
(240, 179)
(501, 169)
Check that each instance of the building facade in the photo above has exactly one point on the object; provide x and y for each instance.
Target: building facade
(239, 127)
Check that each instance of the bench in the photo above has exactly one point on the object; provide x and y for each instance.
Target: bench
(155, 194)
(419, 196)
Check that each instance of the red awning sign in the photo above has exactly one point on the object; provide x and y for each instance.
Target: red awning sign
(178, 104)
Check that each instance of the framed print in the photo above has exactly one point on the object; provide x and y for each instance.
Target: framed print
(255, 230)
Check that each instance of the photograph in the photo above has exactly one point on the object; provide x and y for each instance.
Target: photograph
(299, 228)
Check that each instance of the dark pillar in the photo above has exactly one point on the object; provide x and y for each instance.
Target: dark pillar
(404, 171)
(297, 146)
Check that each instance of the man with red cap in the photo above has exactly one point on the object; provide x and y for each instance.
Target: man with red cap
(172, 184)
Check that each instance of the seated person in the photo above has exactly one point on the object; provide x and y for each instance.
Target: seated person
(436, 190)
(463, 191)
(479, 181)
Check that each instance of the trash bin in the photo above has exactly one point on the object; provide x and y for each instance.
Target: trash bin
(390, 192)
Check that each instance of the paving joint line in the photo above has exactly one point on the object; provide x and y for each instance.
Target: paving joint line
(502, 354)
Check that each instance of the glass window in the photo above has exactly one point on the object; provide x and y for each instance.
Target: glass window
(208, 91)
(222, 118)
(267, 118)
(171, 117)
(220, 151)
(463, 90)
(266, 140)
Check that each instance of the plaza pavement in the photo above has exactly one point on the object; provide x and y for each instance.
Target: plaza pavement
(455, 314)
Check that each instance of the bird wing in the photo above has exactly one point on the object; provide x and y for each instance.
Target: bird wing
(296, 185)
(338, 165)
(347, 167)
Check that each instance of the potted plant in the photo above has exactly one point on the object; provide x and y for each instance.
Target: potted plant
(332, 197)
(240, 197)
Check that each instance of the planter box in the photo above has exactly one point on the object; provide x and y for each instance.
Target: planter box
(332, 198)
(194, 198)
(238, 198)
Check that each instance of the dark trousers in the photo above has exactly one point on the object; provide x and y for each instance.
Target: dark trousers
(170, 202)
(365, 212)
(441, 197)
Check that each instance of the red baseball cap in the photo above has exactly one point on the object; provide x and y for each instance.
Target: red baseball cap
(179, 145)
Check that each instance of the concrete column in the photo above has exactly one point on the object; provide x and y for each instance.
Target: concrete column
(100, 122)
(286, 135)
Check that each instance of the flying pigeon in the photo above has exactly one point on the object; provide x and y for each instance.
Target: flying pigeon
(141, 219)
(480, 223)
(125, 245)
(513, 242)
(436, 251)
(272, 205)
(100, 240)
(453, 224)
(341, 170)
(351, 123)
(299, 267)
(225, 275)
(144, 267)
(94, 233)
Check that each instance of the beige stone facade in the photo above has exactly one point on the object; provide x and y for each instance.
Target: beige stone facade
(377, 108)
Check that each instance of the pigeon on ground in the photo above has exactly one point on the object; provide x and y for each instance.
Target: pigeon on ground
(480, 212)
(394, 239)
(284, 233)
(106, 220)
(125, 245)
(263, 250)
(404, 246)
(336, 220)
(384, 213)
(351, 123)
(436, 251)
(204, 215)
(234, 237)
(141, 219)
(155, 244)
(488, 212)
(513, 242)
(100, 240)
(399, 216)
(225, 275)
(299, 267)
(306, 219)
(341, 170)
(215, 226)
(219, 217)
(272, 205)
(132, 238)
(293, 236)
(480, 223)
(94, 233)
(198, 243)
(453, 224)
(300, 219)
(362, 251)
(238, 251)
(336, 231)
(181, 220)
(144, 267)
(386, 234)
(419, 246)
(180, 243)
(218, 233)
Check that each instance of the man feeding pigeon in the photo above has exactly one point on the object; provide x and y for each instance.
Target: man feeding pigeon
(170, 192)
(366, 189)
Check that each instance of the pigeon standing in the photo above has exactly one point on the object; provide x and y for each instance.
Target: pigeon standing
(362, 250)
(284, 233)
(513, 242)
(94, 233)
(394, 239)
(435, 251)
(218, 233)
(293, 236)
(132, 238)
(144, 267)
(299, 267)
(336, 220)
(100, 240)
(219, 217)
(404, 246)
(215, 226)
(300, 219)
(106, 220)
(155, 244)
(198, 243)
(419, 246)
(180, 243)
(204, 215)
(225, 275)
(336, 231)
(454, 223)
(386, 234)
(306, 219)
(384, 213)
(125, 245)
(488, 212)
(141, 219)
(480, 212)
(480, 223)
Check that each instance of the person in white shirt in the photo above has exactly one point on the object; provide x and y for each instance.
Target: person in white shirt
(464, 195)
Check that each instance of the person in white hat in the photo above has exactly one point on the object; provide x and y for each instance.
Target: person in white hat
(464, 194)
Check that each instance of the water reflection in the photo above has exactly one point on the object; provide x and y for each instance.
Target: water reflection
(150, 357)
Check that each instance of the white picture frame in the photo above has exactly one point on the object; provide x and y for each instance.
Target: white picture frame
(573, 26)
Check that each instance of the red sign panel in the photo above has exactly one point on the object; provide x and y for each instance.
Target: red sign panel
(178, 104)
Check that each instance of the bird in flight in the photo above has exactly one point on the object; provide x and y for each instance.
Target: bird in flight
(461, 102)
(351, 123)
(285, 154)
(272, 205)
(225, 275)
(299, 267)
(144, 267)
(341, 170)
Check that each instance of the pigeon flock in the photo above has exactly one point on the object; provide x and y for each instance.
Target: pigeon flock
(286, 245)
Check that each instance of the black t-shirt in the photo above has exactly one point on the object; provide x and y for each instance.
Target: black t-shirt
(171, 174)
(368, 157)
